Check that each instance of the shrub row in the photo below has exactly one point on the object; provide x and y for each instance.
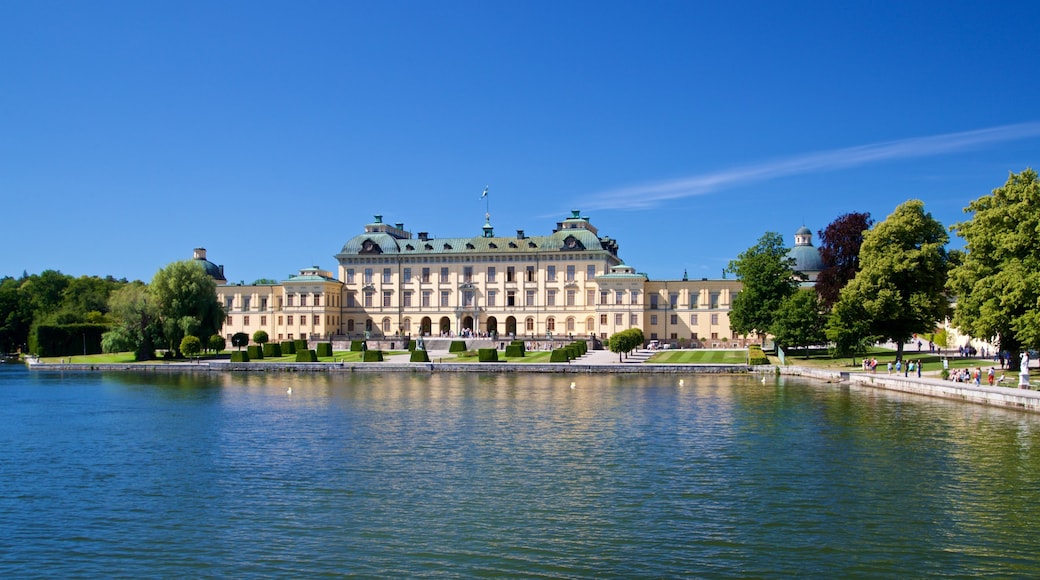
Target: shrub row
(288, 347)
(255, 352)
(272, 349)
(324, 349)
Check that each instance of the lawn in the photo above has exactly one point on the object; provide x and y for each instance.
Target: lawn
(700, 356)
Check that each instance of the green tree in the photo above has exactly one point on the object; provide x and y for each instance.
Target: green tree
(997, 282)
(187, 299)
(137, 322)
(217, 343)
(625, 341)
(799, 321)
(191, 346)
(899, 290)
(260, 337)
(239, 339)
(768, 277)
(15, 315)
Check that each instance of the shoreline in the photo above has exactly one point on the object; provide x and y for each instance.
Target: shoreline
(1004, 397)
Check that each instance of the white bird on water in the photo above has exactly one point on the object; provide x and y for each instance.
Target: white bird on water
(572, 384)
(681, 382)
(288, 391)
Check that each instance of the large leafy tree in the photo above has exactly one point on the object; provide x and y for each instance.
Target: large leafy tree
(768, 277)
(137, 322)
(799, 321)
(997, 283)
(187, 301)
(900, 288)
(840, 244)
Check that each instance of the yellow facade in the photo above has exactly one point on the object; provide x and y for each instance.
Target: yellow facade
(392, 283)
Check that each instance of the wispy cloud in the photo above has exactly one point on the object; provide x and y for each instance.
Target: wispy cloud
(651, 194)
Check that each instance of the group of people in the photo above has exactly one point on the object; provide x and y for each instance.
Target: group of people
(974, 375)
(900, 366)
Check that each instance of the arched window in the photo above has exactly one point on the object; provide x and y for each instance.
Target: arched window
(550, 324)
(386, 326)
(570, 324)
(529, 325)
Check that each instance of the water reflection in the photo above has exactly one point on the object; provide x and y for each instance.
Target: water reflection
(514, 475)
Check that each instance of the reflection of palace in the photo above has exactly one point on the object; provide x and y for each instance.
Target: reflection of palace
(570, 283)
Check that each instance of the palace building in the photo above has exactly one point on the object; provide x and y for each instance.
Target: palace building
(391, 283)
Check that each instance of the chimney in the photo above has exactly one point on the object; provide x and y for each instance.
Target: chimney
(200, 253)
(424, 236)
(519, 234)
(399, 225)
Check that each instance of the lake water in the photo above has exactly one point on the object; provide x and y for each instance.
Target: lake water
(131, 475)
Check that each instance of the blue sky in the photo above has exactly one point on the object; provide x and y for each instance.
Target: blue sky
(271, 132)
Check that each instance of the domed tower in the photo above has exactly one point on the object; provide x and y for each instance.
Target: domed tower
(216, 272)
(807, 258)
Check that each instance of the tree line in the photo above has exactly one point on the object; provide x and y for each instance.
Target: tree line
(896, 278)
(180, 301)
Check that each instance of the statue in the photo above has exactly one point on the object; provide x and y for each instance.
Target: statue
(1023, 372)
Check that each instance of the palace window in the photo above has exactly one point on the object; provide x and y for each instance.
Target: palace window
(491, 295)
(550, 273)
(425, 278)
(426, 298)
(619, 297)
(619, 319)
(386, 299)
(445, 299)
(368, 299)
(444, 275)
(350, 275)
(530, 298)
(510, 274)
(550, 297)
(368, 275)
(303, 300)
(531, 276)
(570, 273)
(570, 297)
(289, 320)
(407, 299)
(288, 299)
(407, 275)
(491, 274)
(263, 321)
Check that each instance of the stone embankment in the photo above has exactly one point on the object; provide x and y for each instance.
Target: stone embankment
(600, 362)
(1006, 396)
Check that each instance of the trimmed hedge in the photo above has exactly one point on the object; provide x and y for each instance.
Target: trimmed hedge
(255, 351)
(756, 356)
(306, 355)
(324, 349)
(515, 350)
(288, 347)
(487, 355)
(300, 345)
(357, 345)
(373, 356)
(457, 346)
(272, 349)
(559, 355)
(411, 345)
(66, 339)
(239, 356)
(419, 356)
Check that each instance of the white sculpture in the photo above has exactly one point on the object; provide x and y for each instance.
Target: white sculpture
(1023, 372)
